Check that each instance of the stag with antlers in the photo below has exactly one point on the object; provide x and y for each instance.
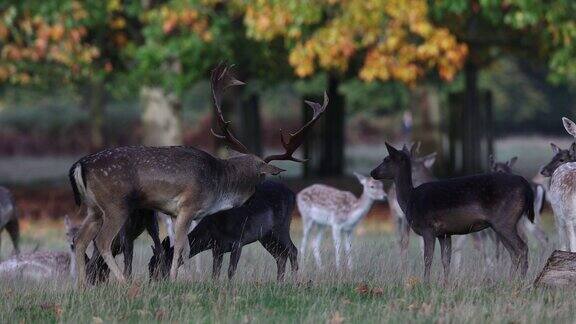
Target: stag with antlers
(183, 182)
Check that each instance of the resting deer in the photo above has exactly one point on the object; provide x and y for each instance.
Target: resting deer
(526, 226)
(43, 265)
(440, 209)
(265, 217)
(323, 206)
(9, 217)
(183, 182)
(562, 192)
(139, 220)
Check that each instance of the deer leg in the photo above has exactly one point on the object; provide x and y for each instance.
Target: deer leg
(88, 230)
(404, 239)
(128, 255)
(234, 258)
(181, 231)
(570, 234)
(458, 247)
(337, 236)
(479, 239)
(316, 246)
(14, 231)
(306, 227)
(348, 248)
(114, 216)
(516, 247)
(429, 242)
(559, 223)
(446, 252)
(217, 258)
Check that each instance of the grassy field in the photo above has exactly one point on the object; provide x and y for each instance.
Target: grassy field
(376, 290)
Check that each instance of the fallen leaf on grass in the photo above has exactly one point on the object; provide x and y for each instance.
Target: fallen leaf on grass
(57, 309)
(362, 288)
(134, 290)
(97, 320)
(160, 313)
(412, 282)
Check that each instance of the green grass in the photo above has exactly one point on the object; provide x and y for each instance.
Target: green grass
(376, 290)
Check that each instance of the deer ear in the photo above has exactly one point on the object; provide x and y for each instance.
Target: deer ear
(360, 177)
(267, 168)
(391, 150)
(569, 126)
(429, 160)
(555, 148)
(415, 149)
(512, 161)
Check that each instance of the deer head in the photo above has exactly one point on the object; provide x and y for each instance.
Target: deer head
(393, 164)
(373, 188)
(220, 81)
(504, 167)
(560, 157)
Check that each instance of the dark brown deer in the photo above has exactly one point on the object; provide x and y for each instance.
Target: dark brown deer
(440, 209)
(265, 218)
(9, 217)
(183, 182)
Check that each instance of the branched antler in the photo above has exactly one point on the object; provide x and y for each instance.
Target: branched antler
(220, 80)
(296, 139)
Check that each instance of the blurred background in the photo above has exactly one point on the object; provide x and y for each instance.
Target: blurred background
(467, 78)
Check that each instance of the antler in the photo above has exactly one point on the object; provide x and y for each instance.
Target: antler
(296, 139)
(220, 80)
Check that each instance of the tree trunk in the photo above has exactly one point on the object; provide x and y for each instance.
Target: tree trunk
(559, 271)
(161, 120)
(251, 134)
(471, 159)
(94, 99)
(332, 161)
(425, 107)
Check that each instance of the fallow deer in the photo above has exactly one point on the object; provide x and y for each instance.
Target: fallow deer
(322, 206)
(183, 182)
(422, 173)
(9, 217)
(440, 209)
(265, 217)
(562, 192)
(525, 226)
(41, 265)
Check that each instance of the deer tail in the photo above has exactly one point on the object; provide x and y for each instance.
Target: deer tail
(76, 176)
(528, 201)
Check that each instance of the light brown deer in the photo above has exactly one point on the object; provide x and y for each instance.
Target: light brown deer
(323, 206)
(183, 182)
(41, 265)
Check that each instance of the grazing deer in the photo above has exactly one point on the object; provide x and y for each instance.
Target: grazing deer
(183, 182)
(440, 209)
(562, 192)
(525, 226)
(323, 206)
(265, 217)
(139, 220)
(9, 217)
(43, 265)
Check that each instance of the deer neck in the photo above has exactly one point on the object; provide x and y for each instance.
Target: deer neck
(404, 188)
(238, 182)
(360, 208)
